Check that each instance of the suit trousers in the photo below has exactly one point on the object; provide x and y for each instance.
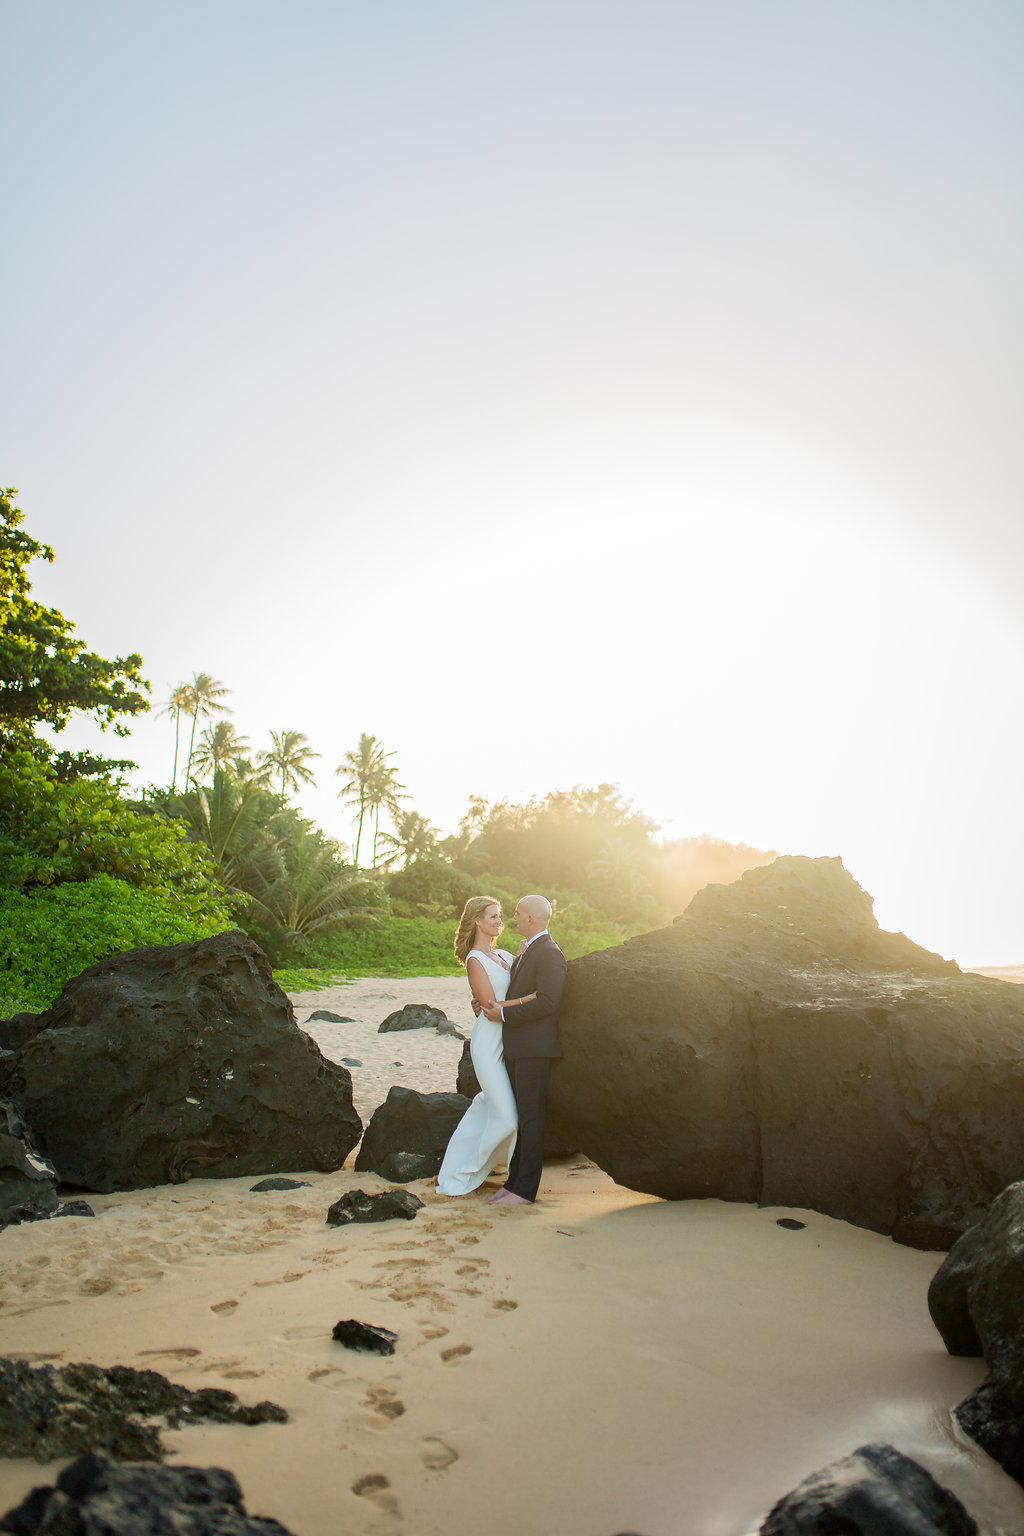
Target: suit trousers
(529, 1077)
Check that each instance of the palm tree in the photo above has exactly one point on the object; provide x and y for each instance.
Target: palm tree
(219, 745)
(289, 756)
(179, 702)
(307, 888)
(204, 694)
(412, 839)
(383, 792)
(231, 819)
(356, 771)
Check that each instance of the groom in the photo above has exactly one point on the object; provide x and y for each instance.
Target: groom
(530, 1042)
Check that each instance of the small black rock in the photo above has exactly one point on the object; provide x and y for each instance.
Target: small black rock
(357, 1205)
(791, 1224)
(350, 1061)
(365, 1336)
(276, 1182)
(75, 1208)
(329, 1018)
(413, 1016)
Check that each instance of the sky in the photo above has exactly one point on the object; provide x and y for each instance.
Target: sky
(563, 393)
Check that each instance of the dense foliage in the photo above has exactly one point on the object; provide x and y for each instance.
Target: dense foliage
(46, 672)
(51, 934)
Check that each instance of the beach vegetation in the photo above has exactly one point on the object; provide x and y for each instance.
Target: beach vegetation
(50, 934)
(46, 673)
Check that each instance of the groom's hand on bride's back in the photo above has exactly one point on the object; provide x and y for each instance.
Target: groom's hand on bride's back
(477, 1005)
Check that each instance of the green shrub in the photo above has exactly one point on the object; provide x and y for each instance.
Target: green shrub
(53, 933)
(298, 978)
(392, 946)
(52, 832)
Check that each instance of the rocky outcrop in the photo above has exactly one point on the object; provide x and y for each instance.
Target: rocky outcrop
(415, 1016)
(95, 1495)
(407, 1136)
(976, 1300)
(875, 1492)
(28, 1183)
(48, 1411)
(774, 1045)
(171, 1061)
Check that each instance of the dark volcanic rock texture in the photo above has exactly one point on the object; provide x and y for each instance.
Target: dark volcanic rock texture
(94, 1497)
(50, 1411)
(976, 1300)
(28, 1184)
(407, 1135)
(875, 1492)
(169, 1062)
(775, 1046)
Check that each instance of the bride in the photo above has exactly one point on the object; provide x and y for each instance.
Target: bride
(485, 1136)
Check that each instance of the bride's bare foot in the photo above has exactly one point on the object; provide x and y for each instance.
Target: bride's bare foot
(508, 1198)
(493, 1199)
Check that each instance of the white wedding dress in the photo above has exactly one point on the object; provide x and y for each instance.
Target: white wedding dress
(486, 1135)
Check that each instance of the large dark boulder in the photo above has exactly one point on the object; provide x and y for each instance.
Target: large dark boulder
(775, 1046)
(976, 1300)
(407, 1136)
(96, 1497)
(875, 1492)
(28, 1183)
(168, 1062)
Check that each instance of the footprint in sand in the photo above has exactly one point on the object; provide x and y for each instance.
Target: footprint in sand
(224, 1306)
(474, 1267)
(438, 1455)
(456, 1352)
(383, 1405)
(374, 1486)
(503, 1304)
(287, 1279)
(181, 1352)
(433, 1331)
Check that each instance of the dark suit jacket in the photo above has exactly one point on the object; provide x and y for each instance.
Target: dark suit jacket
(529, 1030)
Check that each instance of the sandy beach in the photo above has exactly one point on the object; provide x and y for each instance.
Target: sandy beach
(600, 1362)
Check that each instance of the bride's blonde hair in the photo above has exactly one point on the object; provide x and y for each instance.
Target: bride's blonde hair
(465, 934)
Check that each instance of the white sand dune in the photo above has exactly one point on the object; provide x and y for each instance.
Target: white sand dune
(600, 1362)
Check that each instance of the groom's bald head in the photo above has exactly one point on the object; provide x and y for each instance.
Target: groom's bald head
(533, 913)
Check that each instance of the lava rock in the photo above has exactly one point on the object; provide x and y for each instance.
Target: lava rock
(48, 1411)
(15, 1031)
(358, 1206)
(976, 1300)
(876, 1491)
(266, 1185)
(466, 1081)
(413, 1016)
(171, 1061)
(364, 1336)
(775, 1046)
(28, 1182)
(419, 1125)
(791, 1224)
(75, 1208)
(350, 1061)
(329, 1018)
(93, 1496)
